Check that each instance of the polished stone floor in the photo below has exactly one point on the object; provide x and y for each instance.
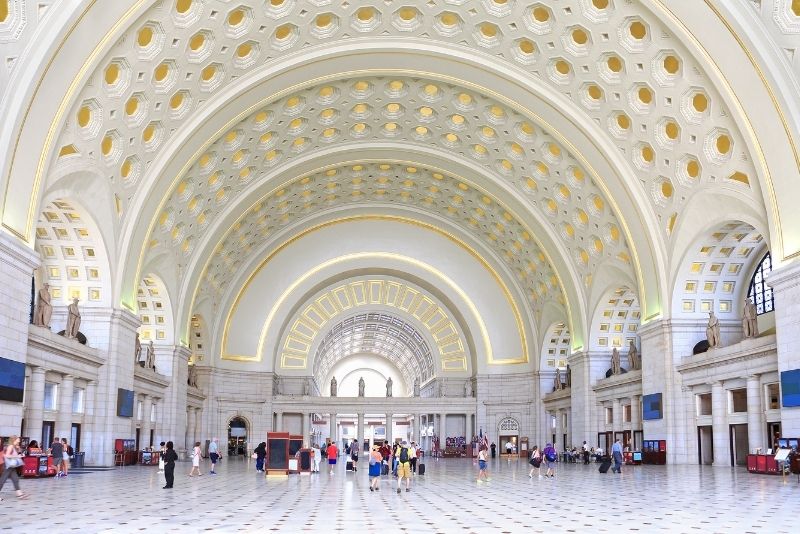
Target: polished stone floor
(447, 499)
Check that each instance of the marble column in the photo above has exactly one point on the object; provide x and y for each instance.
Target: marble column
(389, 430)
(360, 432)
(333, 433)
(785, 283)
(719, 427)
(636, 413)
(306, 430)
(442, 429)
(756, 427)
(191, 421)
(63, 428)
(616, 416)
(278, 421)
(690, 409)
(34, 414)
(173, 362)
(147, 404)
(418, 428)
(17, 263)
(89, 426)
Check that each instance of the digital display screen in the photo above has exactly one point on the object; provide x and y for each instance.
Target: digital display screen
(124, 402)
(637, 456)
(278, 454)
(651, 407)
(790, 388)
(12, 380)
(305, 460)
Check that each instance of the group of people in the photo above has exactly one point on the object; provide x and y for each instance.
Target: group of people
(12, 455)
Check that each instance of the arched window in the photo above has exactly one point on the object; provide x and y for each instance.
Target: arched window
(760, 292)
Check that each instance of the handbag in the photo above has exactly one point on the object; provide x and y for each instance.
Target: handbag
(254, 456)
(13, 463)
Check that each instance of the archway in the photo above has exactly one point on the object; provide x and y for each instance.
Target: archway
(237, 436)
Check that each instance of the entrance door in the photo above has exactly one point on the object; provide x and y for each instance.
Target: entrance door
(75, 436)
(774, 432)
(504, 440)
(604, 441)
(48, 429)
(237, 437)
(705, 445)
(738, 438)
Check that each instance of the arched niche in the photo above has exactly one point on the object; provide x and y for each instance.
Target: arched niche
(155, 311)
(615, 321)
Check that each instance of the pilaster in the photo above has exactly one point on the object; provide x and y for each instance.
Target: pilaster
(173, 362)
(785, 283)
(586, 368)
(34, 413)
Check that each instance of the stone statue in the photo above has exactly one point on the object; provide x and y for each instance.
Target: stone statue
(389, 387)
(306, 387)
(750, 319)
(468, 388)
(416, 387)
(557, 386)
(569, 377)
(137, 350)
(44, 310)
(277, 387)
(150, 362)
(192, 376)
(634, 361)
(712, 330)
(616, 367)
(73, 320)
(333, 387)
(361, 386)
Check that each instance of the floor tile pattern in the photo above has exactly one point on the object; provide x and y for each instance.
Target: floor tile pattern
(448, 499)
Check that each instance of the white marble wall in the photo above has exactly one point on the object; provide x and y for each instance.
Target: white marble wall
(17, 263)
(785, 283)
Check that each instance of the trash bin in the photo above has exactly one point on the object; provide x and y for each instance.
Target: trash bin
(77, 459)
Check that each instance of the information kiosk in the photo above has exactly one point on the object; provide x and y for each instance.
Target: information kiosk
(277, 454)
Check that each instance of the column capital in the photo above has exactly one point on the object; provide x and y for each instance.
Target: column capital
(753, 376)
(37, 369)
(716, 384)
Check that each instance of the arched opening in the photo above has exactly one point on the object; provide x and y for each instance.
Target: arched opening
(237, 437)
(508, 432)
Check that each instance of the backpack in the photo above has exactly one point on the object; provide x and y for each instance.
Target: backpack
(70, 451)
(404, 455)
(550, 454)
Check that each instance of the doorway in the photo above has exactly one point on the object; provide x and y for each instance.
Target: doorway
(705, 445)
(75, 436)
(774, 432)
(505, 441)
(604, 441)
(237, 437)
(48, 429)
(739, 445)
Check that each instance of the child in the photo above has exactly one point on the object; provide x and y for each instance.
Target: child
(482, 474)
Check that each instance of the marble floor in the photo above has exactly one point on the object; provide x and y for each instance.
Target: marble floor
(447, 499)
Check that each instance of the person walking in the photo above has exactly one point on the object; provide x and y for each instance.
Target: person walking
(616, 453)
(12, 459)
(482, 457)
(317, 456)
(57, 452)
(585, 453)
(169, 456)
(536, 462)
(413, 451)
(375, 461)
(196, 455)
(403, 466)
(494, 450)
(550, 457)
(355, 452)
(68, 452)
(260, 452)
(333, 452)
(213, 453)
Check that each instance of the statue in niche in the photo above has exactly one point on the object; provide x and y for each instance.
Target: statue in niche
(416, 387)
(277, 387)
(569, 377)
(468, 388)
(557, 385)
(334, 387)
(634, 362)
(389, 387)
(616, 366)
(361, 386)
(712, 330)
(73, 320)
(192, 381)
(749, 319)
(44, 309)
(137, 351)
(306, 387)
(150, 362)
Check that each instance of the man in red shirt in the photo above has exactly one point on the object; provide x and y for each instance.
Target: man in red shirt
(386, 452)
(333, 452)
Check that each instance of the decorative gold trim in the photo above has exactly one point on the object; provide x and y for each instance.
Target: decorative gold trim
(517, 315)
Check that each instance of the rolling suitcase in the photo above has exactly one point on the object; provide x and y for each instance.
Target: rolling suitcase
(421, 469)
(605, 464)
(349, 465)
